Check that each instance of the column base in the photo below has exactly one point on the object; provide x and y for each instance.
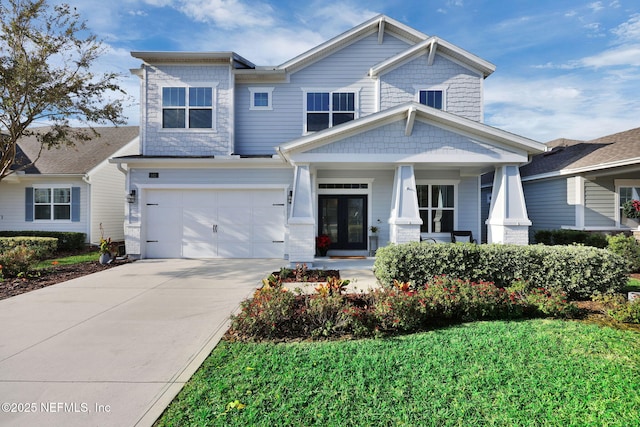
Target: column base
(508, 234)
(302, 243)
(404, 233)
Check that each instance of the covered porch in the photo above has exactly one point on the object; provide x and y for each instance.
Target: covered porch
(408, 172)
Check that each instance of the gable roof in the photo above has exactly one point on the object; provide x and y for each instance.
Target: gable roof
(410, 111)
(77, 159)
(573, 156)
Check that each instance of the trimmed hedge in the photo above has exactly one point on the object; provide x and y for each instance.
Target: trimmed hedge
(67, 240)
(570, 237)
(579, 271)
(43, 247)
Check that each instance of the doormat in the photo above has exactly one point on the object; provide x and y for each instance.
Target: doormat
(348, 257)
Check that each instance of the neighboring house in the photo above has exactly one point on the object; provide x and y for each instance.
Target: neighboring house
(71, 188)
(581, 185)
(381, 125)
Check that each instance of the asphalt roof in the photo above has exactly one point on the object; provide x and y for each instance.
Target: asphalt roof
(567, 154)
(75, 159)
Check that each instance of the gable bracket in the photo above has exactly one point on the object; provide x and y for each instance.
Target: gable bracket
(432, 51)
(381, 31)
(411, 118)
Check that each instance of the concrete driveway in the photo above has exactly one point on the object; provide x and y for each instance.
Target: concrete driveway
(114, 348)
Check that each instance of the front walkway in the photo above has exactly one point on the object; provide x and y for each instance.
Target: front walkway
(115, 347)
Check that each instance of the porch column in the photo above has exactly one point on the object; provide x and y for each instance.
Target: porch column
(405, 221)
(302, 224)
(508, 221)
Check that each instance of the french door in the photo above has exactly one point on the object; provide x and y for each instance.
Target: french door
(344, 219)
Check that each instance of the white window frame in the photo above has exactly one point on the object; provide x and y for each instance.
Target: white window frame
(356, 104)
(214, 106)
(52, 203)
(253, 91)
(635, 194)
(431, 183)
(441, 88)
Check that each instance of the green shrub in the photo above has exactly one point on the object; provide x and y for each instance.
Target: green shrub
(325, 315)
(570, 237)
(629, 312)
(579, 271)
(17, 260)
(270, 313)
(67, 240)
(43, 247)
(628, 248)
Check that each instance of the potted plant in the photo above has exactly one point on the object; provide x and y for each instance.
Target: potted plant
(322, 244)
(374, 229)
(106, 250)
(631, 210)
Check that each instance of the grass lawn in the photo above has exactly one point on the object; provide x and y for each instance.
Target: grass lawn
(502, 373)
(633, 285)
(69, 260)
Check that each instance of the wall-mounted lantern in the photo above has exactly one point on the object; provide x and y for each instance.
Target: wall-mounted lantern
(131, 197)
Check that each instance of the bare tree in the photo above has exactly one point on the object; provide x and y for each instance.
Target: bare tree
(46, 60)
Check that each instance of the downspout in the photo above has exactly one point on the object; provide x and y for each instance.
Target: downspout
(87, 180)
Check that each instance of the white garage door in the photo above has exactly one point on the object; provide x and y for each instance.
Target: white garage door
(214, 223)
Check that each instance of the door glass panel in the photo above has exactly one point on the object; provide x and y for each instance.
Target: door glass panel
(329, 212)
(355, 220)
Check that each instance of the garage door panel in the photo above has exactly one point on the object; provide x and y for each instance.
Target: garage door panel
(163, 232)
(239, 198)
(232, 249)
(203, 249)
(200, 198)
(166, 198)
(268, 250)
(234, 216)
(198, 224)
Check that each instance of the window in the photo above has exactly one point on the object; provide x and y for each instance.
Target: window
(52, 203)
(260, 98)
(193, 112)
(328, 109)
(434, 97)
(431, 98)
(627, 191)
(437, 207)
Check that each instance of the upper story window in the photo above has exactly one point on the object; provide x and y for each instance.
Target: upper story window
(52, 203)
(434, 97)
(328, 109)
(437, 207)
(190, 108)
(261, 98)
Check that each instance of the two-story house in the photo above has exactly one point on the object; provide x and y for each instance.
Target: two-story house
(380, 126)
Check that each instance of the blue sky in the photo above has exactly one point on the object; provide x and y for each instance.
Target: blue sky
(563, 68)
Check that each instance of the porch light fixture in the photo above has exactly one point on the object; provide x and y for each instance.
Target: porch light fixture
(131, 197)
(290, 197)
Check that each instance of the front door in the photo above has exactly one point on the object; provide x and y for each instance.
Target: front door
(344, 219)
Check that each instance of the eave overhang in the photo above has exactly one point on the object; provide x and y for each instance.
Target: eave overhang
(160, 57)
(233, 161)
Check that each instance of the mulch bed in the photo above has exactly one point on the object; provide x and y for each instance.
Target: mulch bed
(309, 276)
(51, 276)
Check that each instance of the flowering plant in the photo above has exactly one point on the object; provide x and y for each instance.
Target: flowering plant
(106, 246)
(631, 209)
(322, 243)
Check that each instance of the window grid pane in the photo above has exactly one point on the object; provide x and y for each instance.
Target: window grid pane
(42, 195)
(261, 99)
(173, 118)
(431, 98)
(61, 195)
(200, 118)
(343, 101)
(173, 97)
(200, 97)
(62, 212)
(317, 121)
(42, 212)
(318, 101)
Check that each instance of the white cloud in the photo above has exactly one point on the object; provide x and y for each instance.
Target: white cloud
(562, 107)
(228, 14)
(630, 30)
(624, 55)
(596, 6)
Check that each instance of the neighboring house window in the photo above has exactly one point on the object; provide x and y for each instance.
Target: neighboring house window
(52, 203)
(437, 207)
(434, 97)
(187, 107)
(261, 98)
(328, 109)
(627, 191)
